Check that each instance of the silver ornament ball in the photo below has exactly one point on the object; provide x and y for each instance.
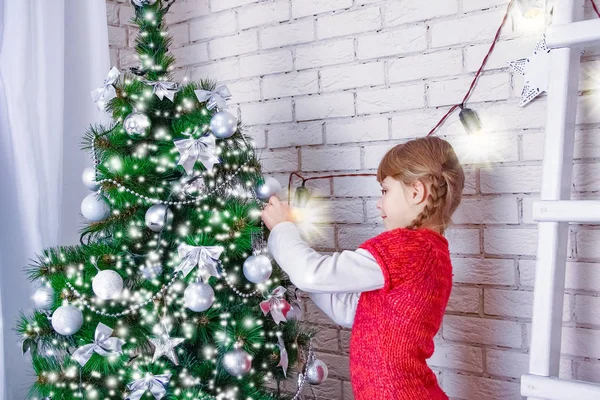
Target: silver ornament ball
(237, 362)
(43, 298)
(141, 3)
(137, 124)
(67, 320)
(316, 372)
(271, 187)
(107, 284)
(158, 216)
(88, 177)
(95, 208)
(199, 297)
(223, 124)
(258, 269)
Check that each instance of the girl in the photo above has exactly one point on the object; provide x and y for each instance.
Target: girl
(393, 290)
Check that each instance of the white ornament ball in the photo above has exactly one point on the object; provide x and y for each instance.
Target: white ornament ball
(199, 297)
(88, 178)
(316, 372)
(237, 362)
(223, 124)
(107, 285)
(271, 187)
(258, 269)
(43, 298)
(137, 124)
(67, 320)
(95, 208)
(158, 216)
(141, 3)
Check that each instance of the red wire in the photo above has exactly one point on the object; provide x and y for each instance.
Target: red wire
(485, 60)
(595, 8)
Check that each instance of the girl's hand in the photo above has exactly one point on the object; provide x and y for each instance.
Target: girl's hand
(276, 212)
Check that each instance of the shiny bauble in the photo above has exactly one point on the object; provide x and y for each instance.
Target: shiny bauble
(258, 269)
(195, 188)
(107, 284)
(137, 124)
(88, 177)
(198, 297)
(67, 320)
(223, 124)
(316, 372)
(271, 187)
(158, 216)
(237, 362)
(95, 208)
(43, 298)
(141, 3)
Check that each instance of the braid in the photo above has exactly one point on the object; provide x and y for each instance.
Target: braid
(435, 199)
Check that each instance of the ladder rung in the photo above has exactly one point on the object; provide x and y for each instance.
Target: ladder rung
(575, 34)
(567, 211)
(551, 388)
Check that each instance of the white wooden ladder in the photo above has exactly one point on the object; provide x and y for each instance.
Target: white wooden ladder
(567, 35)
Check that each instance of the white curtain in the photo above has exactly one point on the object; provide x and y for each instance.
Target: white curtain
(52, 54)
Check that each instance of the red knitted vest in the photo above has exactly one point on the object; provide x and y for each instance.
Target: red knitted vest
(393, 330)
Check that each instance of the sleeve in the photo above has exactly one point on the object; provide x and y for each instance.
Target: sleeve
(340, 307)
(345, 272)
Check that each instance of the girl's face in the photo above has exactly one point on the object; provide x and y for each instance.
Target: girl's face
(400, 204)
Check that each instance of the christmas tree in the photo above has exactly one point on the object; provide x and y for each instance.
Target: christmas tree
(171, 293)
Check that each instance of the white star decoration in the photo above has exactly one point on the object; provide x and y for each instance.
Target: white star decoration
(535, 70)
(164, 345)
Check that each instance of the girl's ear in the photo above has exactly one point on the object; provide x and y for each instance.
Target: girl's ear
(418, 192)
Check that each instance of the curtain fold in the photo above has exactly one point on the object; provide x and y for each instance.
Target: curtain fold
(52, 54)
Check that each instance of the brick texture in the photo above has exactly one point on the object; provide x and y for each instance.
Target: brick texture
(330, 85)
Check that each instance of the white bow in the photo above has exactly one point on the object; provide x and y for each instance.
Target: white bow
(154, 383)
(107, 92)
(216, 98)
(103, 344)
(192, 150)
(205, 257)
(163, 89)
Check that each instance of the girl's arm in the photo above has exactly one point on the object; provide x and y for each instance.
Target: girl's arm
(341, 307)
(346, 272)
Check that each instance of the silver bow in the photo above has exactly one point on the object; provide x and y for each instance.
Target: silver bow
(163, 89)
(216, 98)
(205, 257)
(283, 356)
(154, 383)
(103, 344)
(192, 150)
(107, 92)
(277, 305)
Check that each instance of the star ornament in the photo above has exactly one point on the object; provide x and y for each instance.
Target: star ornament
(164, 345)
(535, 68)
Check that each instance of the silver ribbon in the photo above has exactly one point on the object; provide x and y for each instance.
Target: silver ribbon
(103, 344)
(283, 356)
(107, 92)
(275, 304)
(154, 383)
(192, 150)
(215, 98)
(205, 257)
(163, 89)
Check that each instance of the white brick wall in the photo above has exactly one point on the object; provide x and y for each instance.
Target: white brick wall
(330, 85)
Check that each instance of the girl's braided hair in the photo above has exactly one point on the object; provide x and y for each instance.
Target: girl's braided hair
(432, 161)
